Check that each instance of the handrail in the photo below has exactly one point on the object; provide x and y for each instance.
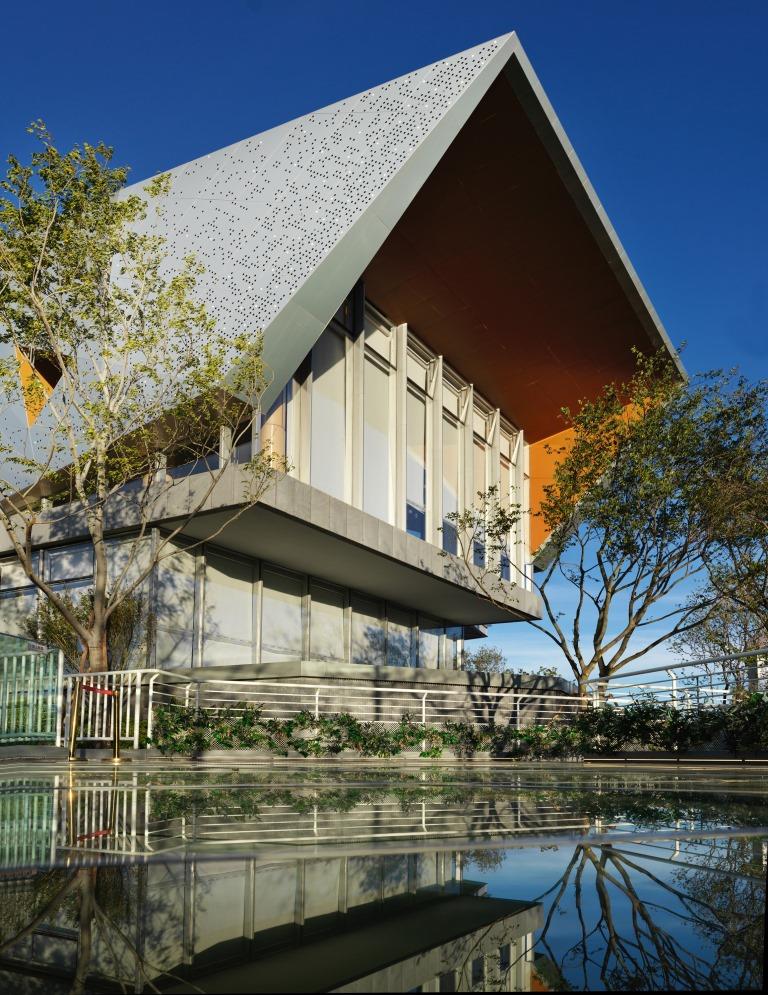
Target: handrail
(183, 678)
(680, 666)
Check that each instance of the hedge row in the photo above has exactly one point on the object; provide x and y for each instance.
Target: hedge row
(645, 725)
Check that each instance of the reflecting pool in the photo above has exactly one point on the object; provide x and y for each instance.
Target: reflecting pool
(183, 878)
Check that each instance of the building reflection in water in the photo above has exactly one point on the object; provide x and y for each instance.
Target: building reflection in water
(397, 922)
(115, 883)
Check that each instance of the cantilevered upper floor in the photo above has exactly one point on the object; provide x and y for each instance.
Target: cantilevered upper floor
(434, 278)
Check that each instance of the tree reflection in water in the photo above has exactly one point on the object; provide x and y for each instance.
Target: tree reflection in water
(701, 928)
(94, 905)
(681, 909)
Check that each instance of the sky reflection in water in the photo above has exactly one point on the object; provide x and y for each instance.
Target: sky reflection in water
(291, 878)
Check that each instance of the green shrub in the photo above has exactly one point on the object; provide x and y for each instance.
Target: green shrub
(745, 724)
(643, 724)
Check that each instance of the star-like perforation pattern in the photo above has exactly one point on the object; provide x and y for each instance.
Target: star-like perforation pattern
(262, 214)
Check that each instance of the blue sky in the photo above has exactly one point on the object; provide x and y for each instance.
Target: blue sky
(664, 103)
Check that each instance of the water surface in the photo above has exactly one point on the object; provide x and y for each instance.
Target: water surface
(287, 877)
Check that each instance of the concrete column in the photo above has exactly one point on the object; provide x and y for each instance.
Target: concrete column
(257, 594)
(249, 898)
(435, 502)
(188, 926)
(198, 622)
(401, 389)
(298, 911)
(525, 501)
(357, 433)
(343, 884)
(466, 402)
(306, 607)
(495, 459)
(495, 444)
(153, 581)
(225, 444)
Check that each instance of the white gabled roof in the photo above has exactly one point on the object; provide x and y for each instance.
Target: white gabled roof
(287, 221)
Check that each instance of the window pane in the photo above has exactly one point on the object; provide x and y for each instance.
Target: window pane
(175, 591)
(273, 427)
(119, 553)
(399, 638)
(12, 574)
(368, 639)
(480, 466)
(175, 608)
(228, 600)
(70, 562)
(505, 483)
(480, 458)
(478, 970)
(174, 648)
(230, 654)
(326, 629)
(416, 465)
(450, 481)
(505, 488)
(453, 634)
(376, 442)
(281, 616)
(429, 644)
(328, 433)
(15, 610)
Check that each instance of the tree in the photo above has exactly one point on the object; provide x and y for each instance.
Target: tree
(732, 496)
(129, 385)
(491, 660)
(486, 660)
(625, 514)
(126, 624)
(727, 630)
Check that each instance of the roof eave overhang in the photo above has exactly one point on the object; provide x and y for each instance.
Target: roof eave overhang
(296, 328)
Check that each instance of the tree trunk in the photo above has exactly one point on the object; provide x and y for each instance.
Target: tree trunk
(85, 937)
(584, 691)
(97, 660)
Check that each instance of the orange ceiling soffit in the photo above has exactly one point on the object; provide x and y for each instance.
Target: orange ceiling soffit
(542, 459)
(35, 387)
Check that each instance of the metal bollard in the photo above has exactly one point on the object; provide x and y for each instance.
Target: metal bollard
(74, 722)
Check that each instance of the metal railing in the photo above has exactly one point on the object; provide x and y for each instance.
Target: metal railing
(141, 692)
(45, 822)
(31, 688)
(707, 683)
(37, 697)
(99, 693)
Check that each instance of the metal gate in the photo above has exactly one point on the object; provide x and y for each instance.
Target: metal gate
(31, 689)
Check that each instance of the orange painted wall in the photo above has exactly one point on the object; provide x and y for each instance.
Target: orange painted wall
(35, 387)
(541, 465)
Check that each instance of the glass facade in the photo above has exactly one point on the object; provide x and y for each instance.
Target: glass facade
(281, 615)
(376, 420)
(451, 480)
(400, 649)
(213, 608)
(377, 440)
(369, 636)
(228, 625)
(416, 465)
(329, 414)
(360, 422)
(326, 630)
(480, 478)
